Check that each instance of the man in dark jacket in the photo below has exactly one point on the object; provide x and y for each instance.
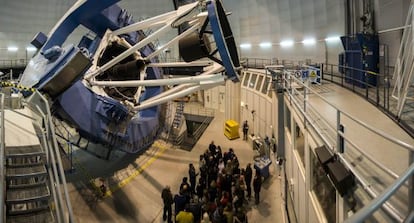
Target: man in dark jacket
(257, 185)
(193, 176)
(245, 130)
(167, 198)
(248, 179)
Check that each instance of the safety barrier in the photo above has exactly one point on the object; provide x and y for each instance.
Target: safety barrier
(330, 136)
(378, 95)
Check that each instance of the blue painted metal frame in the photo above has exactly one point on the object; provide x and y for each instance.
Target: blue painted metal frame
(97, 118)
(220, 41)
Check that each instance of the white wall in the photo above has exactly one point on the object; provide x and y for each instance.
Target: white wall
(215, 98)
(261, 104)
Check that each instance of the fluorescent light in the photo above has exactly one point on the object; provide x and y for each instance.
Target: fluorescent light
(332, 39)
(31, 49)
(310, 41)
(265, 45)
(246, 45)
(12, 48)
(286, 43)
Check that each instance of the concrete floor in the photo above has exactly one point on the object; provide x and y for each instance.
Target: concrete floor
(135, 181)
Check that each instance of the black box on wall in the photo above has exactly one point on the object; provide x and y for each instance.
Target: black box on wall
(340, 176)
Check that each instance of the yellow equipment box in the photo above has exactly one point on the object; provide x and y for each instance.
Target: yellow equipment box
(231, 129)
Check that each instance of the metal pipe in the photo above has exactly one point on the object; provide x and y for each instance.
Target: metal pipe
(181, 64)
(369, 157)
(2, 153)
(394, 29)
(378, 132)
(52, 164)
(145, 24)
(158, 82)
(57, 181)
(376, 203)
(174, 40)
(128, 52)
(59, 161)
(182, 93)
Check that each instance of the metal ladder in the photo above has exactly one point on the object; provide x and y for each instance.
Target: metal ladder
(177, 121)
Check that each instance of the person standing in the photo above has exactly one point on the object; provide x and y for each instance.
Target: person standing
(248, 175)
(257, 186)
(193, 176)
(167, 198)
(245, 130)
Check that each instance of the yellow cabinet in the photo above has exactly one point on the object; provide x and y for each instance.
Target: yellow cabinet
(231, 129)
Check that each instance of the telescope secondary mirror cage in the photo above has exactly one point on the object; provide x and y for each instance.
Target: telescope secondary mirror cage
(193, 39)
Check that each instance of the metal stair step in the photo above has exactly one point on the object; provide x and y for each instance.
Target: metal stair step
(38, 217)
(28, 207)
(19, 151)
(12, 172)
(23, 195)
(21, 161)
(26, 182)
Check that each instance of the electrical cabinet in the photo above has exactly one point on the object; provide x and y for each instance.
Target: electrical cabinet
(231, 129)
(360, 60)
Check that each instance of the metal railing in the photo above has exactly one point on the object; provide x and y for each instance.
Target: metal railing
(13, 63)
(2, 154)
(42, 119)
(378, 95)
(376, 203)
(300, 101)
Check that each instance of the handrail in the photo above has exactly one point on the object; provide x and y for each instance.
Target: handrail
(365, 185)
(54, 178)
(391, 210)
(381, 166)
(294, 98)
(2, 148)
(56, 174)
(376, 203)
(379, 95)
(197, 134)
(59, 161)
(378, 132)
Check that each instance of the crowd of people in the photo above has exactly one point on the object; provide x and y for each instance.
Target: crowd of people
(218, 192)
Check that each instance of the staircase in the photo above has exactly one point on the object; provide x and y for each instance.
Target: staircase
(177, 122)
(33, 185)
(189, 141)
(28, 196)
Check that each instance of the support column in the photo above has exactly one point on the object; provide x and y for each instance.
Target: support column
(232, 104)
(411, 186)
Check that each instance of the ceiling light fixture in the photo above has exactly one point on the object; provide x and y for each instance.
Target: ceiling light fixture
(265, 45)
(245, 45)
(310, 41)
(12, 49)
(286, 43)
(332, 39)
(31, 49)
